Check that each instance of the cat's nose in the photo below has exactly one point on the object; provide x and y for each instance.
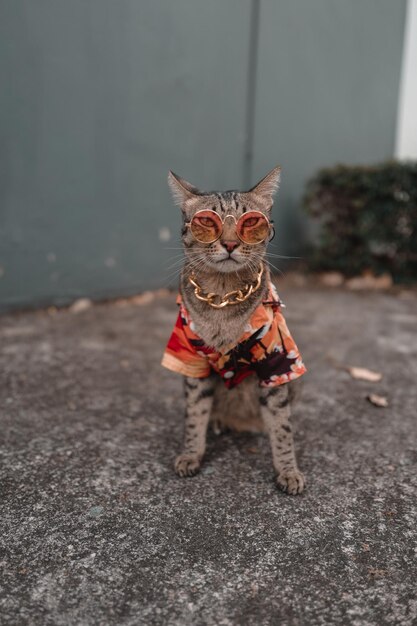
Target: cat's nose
(230, 245)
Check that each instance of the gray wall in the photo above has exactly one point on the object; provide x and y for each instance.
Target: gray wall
(327, 91)
(99, 98)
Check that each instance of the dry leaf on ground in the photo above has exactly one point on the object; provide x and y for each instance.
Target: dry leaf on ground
(376, 400)
(362, 373)
(80, 305)
(376, 572)
(331, 279)
(369, 281)
(143, 298)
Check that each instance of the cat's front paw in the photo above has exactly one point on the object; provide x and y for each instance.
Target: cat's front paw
(187, 465)
(291, 481)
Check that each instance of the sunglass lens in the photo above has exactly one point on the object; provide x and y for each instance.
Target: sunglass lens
(206, 226)
(253, 227)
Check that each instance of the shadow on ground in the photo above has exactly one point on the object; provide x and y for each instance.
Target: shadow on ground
(97, 529)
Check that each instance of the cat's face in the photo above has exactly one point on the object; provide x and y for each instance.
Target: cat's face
(228, 253)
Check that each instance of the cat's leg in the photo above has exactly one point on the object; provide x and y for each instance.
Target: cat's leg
(275, 412)
(199, 399)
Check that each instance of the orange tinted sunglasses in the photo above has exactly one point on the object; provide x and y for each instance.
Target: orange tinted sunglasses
(207, 226)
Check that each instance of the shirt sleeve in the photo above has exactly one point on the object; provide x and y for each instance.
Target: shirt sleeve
(283, 361)
(182, 357)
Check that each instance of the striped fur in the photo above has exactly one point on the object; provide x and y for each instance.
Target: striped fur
(247, 407)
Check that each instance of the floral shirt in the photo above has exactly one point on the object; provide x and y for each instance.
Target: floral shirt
(266, 349)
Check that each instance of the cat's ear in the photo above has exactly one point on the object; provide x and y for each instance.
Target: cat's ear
(268, 186)
(181, 189)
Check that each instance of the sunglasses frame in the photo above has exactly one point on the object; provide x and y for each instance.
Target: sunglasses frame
(270, 226)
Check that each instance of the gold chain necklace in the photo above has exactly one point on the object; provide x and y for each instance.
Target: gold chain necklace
(232, 297)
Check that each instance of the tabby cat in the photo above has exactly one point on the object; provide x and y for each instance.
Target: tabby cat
(231, 341)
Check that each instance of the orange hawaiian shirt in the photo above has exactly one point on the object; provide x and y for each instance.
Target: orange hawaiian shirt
(266, 349)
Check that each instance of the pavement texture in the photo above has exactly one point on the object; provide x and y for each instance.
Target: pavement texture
(97, 529)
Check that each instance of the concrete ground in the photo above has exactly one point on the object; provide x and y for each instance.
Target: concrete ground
(97, 529)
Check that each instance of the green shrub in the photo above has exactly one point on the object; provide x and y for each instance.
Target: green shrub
(368, 218)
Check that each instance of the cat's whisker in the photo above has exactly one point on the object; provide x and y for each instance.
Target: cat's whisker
(172, 276)
(275, 268)
(181, 262)
(282, 256)
(177, 262)
(183, 258)
(195, 264)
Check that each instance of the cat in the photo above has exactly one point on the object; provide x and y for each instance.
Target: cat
(239, 372)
